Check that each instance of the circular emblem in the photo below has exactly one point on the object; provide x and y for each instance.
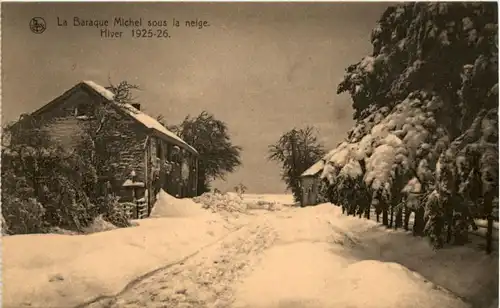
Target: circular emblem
(38, 25)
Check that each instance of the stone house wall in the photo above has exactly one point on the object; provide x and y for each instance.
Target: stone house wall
(122, 144)
(123, 139)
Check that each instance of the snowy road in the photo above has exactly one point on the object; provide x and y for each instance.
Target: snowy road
(205, 279)
(308, 258)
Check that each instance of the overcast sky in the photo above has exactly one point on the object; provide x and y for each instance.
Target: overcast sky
(261, 67)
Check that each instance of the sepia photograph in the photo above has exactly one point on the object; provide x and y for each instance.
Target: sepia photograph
(249, 154)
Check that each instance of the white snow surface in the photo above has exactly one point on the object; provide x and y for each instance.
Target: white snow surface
(169, 206)
(304, 270)
(49, 270)
(317, 258)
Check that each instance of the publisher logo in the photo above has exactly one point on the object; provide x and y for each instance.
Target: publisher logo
(38, 25)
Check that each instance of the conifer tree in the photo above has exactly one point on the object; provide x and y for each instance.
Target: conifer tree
(426, 103)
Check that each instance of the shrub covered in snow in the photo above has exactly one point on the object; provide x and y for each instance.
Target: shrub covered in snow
(99, 225)
(45, 186)
(115, 213)
(229, 202)
(40, 189)
(233, 203)
(22, 216)
(426, 109)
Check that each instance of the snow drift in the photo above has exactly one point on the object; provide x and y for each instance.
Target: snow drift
(169, 206)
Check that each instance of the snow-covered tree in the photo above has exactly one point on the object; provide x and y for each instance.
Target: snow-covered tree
(426, 105)
(218, 156)
(296, 151)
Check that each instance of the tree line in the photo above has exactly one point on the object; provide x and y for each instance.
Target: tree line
(425, 142)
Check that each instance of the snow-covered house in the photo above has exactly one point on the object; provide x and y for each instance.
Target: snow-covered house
(310, 183)
(138, 143)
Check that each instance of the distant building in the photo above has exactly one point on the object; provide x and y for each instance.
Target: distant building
(157, 157)
(310, 183)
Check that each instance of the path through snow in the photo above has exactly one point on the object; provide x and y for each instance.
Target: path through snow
(308, 258)
(311, 257)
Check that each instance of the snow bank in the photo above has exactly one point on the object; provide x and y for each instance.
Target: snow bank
(338, 277)
(464, 270)
(47, 270)
(169, 206)
(372, 283)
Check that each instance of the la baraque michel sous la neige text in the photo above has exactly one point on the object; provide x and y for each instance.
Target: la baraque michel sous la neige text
(104, 24)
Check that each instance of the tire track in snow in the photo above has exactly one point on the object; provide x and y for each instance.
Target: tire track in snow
(202, 279)
(101, 301)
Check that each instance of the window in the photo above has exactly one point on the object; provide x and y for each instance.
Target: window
(82, 111)
(159, 151)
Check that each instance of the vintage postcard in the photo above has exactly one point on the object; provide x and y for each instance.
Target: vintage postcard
(249, 154)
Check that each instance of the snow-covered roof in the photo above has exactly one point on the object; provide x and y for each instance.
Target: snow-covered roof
(319, 165)
(150, 122)
(314, 169)
(100, 89)
(138, 115)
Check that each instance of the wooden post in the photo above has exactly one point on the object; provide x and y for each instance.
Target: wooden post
(133, 177)
(419, 223)
(391, 213)
(294, 166)
(399, 218)
(407, 214)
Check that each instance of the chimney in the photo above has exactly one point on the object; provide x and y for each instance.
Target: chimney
(136, 106)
